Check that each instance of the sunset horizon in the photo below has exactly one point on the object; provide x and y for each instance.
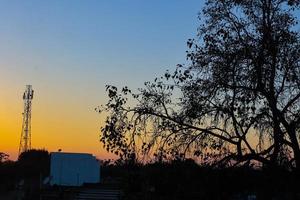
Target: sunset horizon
(69, 52)
(150, 100)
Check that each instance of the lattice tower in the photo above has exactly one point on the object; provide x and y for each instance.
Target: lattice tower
(25, 140)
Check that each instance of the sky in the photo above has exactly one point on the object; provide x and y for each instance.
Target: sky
(68, 50)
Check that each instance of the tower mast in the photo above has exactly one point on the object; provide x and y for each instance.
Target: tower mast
(25, 140)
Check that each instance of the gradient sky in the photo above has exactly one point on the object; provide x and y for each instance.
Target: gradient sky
(69, 50)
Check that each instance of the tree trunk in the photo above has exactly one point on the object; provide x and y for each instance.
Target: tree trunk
(295, 146)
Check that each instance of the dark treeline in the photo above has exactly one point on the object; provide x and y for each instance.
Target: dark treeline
(184, 179)
(177, 179)
(23, 177)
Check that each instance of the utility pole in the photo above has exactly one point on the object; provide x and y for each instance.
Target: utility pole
(25, 141)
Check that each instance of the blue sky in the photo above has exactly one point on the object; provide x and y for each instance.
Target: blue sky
(112, 38)
(70, 49)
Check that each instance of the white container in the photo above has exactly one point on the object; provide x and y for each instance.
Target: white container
(73, 169)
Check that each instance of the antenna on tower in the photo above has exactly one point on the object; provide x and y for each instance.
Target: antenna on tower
(25, 140)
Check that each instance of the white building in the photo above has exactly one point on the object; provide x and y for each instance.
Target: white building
(73, 169)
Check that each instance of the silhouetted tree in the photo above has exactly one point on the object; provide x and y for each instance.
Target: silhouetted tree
(236, 102)
(34, 162)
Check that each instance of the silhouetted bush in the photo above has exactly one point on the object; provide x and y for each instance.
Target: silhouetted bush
(34, 162)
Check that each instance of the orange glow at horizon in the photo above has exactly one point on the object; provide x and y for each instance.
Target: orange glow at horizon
(60, 122)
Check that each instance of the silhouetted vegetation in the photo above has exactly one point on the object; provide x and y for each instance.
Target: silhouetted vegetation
(26, 174)
(184, 179)
(7, 173)
(175, 179)
(34, 163)
(236, 102)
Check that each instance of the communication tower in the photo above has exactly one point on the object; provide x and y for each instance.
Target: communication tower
(25, 141)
